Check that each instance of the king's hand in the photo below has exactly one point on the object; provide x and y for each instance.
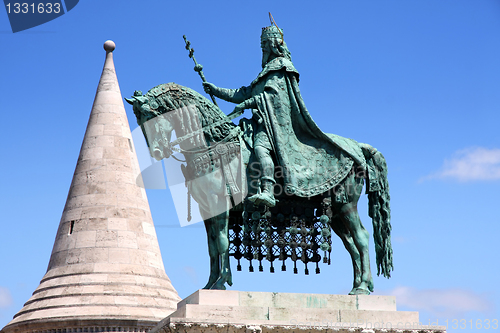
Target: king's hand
(210, 88)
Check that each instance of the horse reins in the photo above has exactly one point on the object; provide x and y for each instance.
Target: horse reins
(232, 134)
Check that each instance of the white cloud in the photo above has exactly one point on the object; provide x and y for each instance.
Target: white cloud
(5, 298)
(442, 303)
(471, 164)
(191, 273)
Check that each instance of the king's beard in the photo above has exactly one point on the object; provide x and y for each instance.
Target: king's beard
(265, 57)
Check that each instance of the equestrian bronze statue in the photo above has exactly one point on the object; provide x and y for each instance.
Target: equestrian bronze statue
(275, 186)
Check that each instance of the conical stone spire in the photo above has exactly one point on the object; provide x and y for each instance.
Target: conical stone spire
(106, 271)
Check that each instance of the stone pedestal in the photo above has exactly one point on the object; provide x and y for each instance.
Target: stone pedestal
(244, 312)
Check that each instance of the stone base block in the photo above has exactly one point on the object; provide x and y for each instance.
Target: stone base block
(248, 312)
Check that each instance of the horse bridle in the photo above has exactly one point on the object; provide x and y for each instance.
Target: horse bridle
(234, 132)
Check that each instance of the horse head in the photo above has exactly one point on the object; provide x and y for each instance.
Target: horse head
(170, 107)
(155, 125)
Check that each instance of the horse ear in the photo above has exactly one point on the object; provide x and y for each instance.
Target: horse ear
(130, 101)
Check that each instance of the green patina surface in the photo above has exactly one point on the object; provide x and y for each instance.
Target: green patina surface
(280, 137)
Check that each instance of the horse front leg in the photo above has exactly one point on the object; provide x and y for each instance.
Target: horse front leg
(213, 253)
(225, 275)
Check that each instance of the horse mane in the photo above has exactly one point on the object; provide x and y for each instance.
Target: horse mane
(171, 96)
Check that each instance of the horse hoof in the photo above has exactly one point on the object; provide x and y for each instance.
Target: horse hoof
(359, 291)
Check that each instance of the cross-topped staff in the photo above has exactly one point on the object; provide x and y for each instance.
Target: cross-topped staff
(197, 68)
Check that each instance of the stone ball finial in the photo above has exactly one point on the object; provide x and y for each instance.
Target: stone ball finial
(109, 46)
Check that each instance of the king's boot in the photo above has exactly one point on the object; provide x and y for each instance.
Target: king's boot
(266, 196)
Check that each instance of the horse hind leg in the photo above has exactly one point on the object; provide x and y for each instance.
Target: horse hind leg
(360, 238)
(338, 227)
(348, 214)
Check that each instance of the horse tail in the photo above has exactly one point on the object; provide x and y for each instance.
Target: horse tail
(379, 208)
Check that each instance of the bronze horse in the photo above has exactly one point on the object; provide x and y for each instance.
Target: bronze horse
(217, 166)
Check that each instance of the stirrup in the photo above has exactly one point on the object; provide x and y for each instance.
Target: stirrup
(263, 198)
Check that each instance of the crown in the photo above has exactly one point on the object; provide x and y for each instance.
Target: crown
(271, 32)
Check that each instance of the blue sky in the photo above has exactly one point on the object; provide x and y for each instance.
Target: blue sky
(417, 79)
